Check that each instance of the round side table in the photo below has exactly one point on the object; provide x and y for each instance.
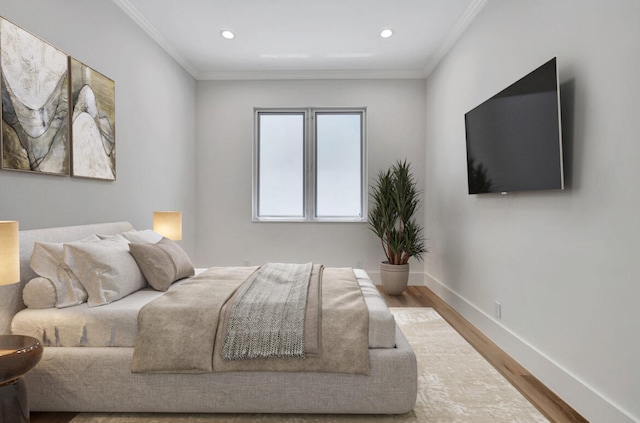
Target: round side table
(18, 355)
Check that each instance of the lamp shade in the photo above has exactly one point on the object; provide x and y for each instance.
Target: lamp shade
(9, 253)
(168, 224)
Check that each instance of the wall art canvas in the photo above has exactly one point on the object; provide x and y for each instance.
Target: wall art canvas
(93, 142)
(35, 104)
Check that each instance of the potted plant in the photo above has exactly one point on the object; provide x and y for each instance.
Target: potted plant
(395, 199)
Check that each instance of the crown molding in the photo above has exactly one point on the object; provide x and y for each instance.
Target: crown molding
(311, 74)
(146, 26)
(461, 25)
(454, 34)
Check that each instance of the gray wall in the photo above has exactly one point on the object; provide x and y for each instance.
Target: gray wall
(226, 234)
(155, 124)
(563, 265)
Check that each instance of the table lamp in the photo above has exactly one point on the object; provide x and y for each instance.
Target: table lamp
(9, 253)
(168, 224)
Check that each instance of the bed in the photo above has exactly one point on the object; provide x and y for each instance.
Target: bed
(87, 361)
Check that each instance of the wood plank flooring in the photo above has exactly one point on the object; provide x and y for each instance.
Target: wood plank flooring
(51, 417)
(549, 404)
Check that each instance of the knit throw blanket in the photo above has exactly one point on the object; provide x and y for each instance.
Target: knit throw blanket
(267, 318)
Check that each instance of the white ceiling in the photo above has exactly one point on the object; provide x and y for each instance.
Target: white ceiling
(304, 38)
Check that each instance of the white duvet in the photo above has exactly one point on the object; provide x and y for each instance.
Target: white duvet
(116, 324)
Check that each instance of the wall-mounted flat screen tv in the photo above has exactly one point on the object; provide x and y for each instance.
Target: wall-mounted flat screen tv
(514, 140)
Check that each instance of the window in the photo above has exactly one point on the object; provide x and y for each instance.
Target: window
(309, 165)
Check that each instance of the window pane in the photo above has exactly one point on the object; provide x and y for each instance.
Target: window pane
(338, 158)
(281, 167)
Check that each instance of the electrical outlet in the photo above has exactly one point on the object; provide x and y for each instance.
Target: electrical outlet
(497, 310)
(358, 265)
(245, 262)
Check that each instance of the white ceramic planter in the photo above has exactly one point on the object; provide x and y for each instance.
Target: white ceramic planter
(394, 277)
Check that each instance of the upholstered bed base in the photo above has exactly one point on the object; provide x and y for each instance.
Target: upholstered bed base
(99, 379)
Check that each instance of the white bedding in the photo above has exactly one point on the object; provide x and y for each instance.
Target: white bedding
(115, 324)
(112, 325)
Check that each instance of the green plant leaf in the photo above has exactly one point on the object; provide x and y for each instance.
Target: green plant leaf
(395, 198)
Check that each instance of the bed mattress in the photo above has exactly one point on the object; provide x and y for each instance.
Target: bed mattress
(115, 324)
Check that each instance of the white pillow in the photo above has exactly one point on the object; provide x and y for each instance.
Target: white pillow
(116, 237)
(106, 270)
(146, 236)
(39, 293)
(47, 262)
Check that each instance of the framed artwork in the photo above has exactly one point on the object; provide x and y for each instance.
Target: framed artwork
(93, 110)
(35, 104)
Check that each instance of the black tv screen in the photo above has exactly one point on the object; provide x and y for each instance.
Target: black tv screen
(514, 140)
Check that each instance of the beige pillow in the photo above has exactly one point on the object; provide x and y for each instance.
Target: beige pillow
(47, 262)
(162, 263)
(39, 293)
(106, 270)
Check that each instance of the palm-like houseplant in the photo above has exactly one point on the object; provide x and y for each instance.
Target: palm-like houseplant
(395, 200)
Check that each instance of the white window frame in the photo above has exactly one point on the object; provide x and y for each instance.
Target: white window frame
(309, 195)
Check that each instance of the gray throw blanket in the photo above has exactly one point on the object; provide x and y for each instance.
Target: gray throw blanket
(267, 317)
(344, 338)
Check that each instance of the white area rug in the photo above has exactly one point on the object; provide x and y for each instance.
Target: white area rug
(455, 384)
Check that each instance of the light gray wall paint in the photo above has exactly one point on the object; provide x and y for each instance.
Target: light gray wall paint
(155, 124)
(226, 234)
(564, 265)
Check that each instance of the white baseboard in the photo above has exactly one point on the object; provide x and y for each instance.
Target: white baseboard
(592, 405)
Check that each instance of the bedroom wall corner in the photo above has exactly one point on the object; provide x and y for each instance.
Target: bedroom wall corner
(155, 124)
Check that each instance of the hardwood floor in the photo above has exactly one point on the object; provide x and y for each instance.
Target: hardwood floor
(549, 404)
(51, 417)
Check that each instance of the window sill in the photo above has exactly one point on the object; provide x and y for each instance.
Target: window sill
(303, 220)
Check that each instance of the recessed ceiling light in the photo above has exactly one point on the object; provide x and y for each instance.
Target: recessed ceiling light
(227, 34)
(386, 33)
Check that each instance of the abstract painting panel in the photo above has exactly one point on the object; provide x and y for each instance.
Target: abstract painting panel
(35, 105)
(93, 141)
